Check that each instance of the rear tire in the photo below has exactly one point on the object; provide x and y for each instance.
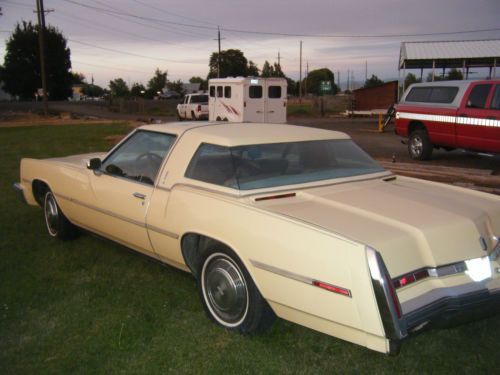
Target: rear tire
(57, 224)
(419, 145)
(193, 116)
(229, 295)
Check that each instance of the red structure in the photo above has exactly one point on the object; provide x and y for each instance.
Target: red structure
(380, 97)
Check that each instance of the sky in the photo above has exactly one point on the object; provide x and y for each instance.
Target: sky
(131, 38)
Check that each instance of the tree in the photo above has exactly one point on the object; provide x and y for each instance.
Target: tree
(138, 90)
(157, 83)
(267, 70)
(454, 74)
(437, 77)
(315, 77)
(252, 69)
(119, 88)
(410, 79)
(176, 86)
(233, 63)
(373, 81)
(203, 82)
(21, 69)
(92, 90)
(77, 78)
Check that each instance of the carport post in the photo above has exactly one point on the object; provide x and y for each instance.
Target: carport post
(494, 68)
(463, 70)
(404, 75)
(421, 74)
(433, 69)
(399, 79)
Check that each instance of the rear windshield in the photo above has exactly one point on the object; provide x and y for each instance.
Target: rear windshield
(432, 94)
(199, 99)
(279, 164)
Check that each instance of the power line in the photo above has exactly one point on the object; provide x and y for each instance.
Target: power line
(282, 34)
(132, 54)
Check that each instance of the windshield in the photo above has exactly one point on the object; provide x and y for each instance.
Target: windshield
(270, 165)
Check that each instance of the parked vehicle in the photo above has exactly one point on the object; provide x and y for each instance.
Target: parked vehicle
(247, 99)
(169, 94)
(450, 115)
(284, 220)
(193, 107)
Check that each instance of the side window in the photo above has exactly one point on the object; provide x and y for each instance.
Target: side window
(274, 92)
(478, 95)
(219, 91)
(212, 91)
(443, 94)
(212, 164)
(227, 92)
(186, 99)
(140, 157)
(255, 92)
(418, 94)
(495, 102)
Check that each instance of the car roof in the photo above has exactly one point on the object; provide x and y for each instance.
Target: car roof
(236, 134)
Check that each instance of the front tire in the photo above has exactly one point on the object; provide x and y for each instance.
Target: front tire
(419, 145)
(57, 224)
(229, 295)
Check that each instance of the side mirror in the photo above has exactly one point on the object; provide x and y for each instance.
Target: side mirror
(94, 164)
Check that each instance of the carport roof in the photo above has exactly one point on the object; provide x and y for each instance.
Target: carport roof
(449, 54)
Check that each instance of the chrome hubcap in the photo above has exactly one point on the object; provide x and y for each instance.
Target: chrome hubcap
(416, 146)
(51, 214)
(225, 290)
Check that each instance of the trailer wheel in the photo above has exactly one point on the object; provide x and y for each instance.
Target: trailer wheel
(419, 145)
(225, 119)
(218, 118)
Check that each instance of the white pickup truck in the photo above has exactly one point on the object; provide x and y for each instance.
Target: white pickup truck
(193, 107)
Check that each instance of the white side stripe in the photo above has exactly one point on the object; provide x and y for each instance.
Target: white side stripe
(449, 119)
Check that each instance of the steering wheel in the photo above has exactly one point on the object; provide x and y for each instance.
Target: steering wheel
(152, 162)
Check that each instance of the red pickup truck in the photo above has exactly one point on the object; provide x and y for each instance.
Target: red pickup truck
(450, 115)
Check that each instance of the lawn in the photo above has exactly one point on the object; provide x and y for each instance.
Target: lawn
(90, 306)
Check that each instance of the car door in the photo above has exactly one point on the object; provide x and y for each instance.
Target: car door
(477, 121)
(124, 185)
(254, 102)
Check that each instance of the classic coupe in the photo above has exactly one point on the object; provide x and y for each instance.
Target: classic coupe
(288, 221)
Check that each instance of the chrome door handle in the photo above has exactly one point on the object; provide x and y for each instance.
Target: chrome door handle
(139, 195)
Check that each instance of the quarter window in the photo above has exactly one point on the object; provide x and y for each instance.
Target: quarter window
(212, 164)
(432, 94)
(478, 96)
(139, 158)
(255, 92)
(495, 102)
(274, 92)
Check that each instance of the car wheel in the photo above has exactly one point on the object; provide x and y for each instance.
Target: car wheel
(179, 116)
(57, 224)
(419, 145)
(229, 295)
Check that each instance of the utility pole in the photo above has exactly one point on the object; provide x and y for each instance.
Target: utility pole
(366, 70)
(338, 80)
(348, 76)
(41, 42)
(300, 74)
(279, 58)
(218, 56)
(305, 79)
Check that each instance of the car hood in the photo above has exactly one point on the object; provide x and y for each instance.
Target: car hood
(79, 161)
(412, 223)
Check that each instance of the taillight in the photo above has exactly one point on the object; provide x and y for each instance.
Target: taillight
(244, 104)
(199, 108)
(410, 278)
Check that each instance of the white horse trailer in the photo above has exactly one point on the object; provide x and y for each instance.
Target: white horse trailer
(247, 99)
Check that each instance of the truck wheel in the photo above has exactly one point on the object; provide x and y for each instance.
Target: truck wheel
(193, 116)
(419, 145)
(57, 224)
(229, 295)
(179, 116)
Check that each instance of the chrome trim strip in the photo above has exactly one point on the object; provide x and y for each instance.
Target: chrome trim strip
(20, 191)
(163, 231)
(449, 119)
(27, 181)
(297, 277)
(394, 327)
(102, 211)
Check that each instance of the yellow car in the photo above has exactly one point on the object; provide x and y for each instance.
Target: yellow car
(288, 221)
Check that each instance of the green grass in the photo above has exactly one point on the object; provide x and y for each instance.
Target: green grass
(304, 109)
(89, 306)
